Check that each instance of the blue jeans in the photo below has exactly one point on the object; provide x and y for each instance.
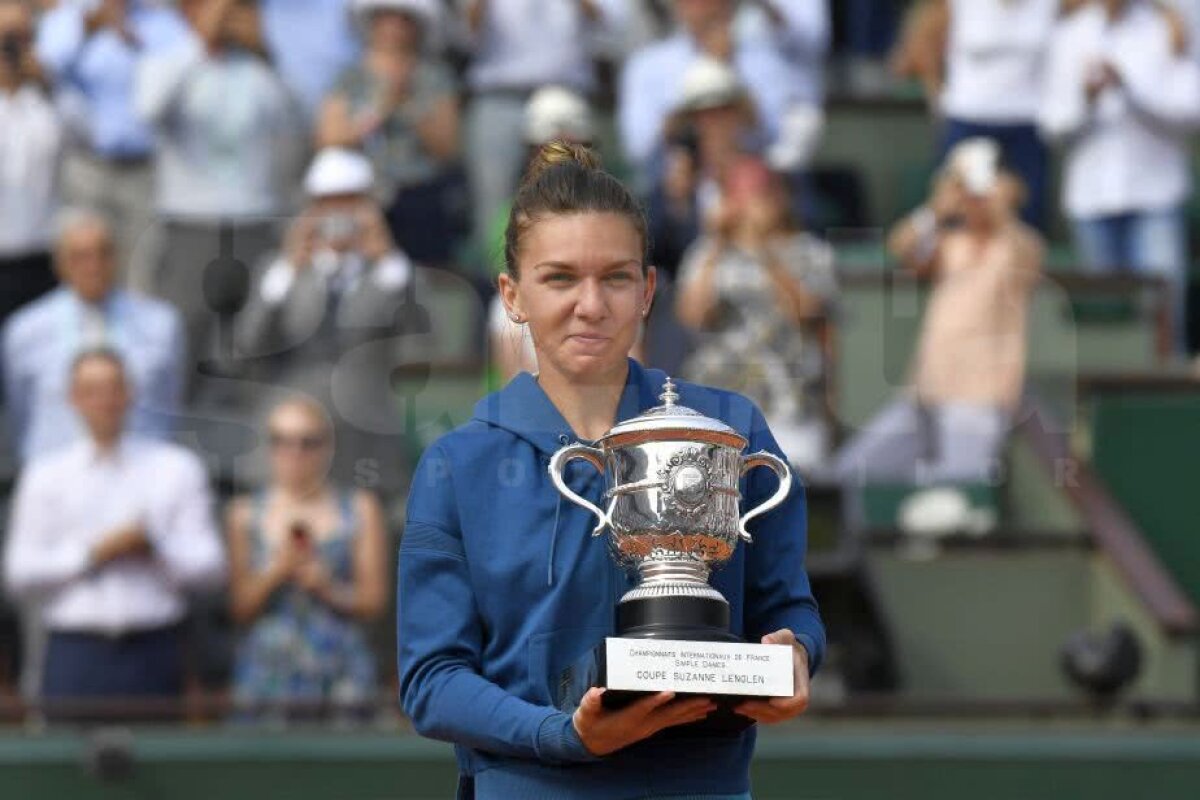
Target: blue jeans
(1152, 242)
(1022, 151)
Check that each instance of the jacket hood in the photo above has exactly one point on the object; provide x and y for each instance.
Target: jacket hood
(523, 408)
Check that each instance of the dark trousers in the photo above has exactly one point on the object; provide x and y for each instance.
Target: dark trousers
(1023, 152)
(24, 279)
(89, 676)
(429, 219)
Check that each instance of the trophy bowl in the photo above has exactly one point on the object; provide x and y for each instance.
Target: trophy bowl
(672, 510)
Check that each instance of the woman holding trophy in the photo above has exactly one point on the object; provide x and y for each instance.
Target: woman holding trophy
(501, 588)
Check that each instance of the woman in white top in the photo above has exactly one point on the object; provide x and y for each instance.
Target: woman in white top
(1123, 96)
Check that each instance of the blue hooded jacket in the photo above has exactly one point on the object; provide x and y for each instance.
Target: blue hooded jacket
(501, 589)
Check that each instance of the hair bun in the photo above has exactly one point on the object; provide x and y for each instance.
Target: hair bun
(559, 151)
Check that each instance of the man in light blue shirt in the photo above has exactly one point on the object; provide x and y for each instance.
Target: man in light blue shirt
(41, 340)
(651, 82)
(92, 49)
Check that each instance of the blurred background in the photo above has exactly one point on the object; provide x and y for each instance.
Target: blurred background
(248, 252)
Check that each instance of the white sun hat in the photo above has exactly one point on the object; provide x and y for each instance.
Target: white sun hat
(554, 112)
(338, 171)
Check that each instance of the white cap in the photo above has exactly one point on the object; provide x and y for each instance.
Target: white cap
(336, 170)
(709, 83)
(976, 162)
(554, 112)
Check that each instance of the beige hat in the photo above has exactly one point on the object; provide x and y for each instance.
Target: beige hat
(338, 171)
(427, 11)
(553, 112)
(709, 83)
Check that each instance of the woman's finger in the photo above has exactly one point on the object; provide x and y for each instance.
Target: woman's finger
(758, 710)
(591, 703)
(647, 705)
(698, 708)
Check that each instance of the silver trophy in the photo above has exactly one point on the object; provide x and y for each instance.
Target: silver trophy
(672, 514)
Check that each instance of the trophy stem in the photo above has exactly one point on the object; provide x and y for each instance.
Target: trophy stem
(657, 573)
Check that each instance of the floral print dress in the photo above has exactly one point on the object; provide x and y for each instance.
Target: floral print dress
(301, 651)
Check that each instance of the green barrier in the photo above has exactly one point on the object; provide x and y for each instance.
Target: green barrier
(809, 761)
(1145, 447)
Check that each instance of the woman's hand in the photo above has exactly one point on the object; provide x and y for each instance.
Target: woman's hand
(781, 709)
(603, 731)
(313, 577)
(722, 221)
(286, 562)
(759, 221)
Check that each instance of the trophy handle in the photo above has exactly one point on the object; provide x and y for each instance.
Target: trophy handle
(593, 456)
(777, 465)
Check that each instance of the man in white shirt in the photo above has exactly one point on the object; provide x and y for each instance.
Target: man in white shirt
(30, 146)
(107, 536)
(1124, 97)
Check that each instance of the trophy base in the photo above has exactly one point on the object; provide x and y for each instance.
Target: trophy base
(700, 618)
(678, 619)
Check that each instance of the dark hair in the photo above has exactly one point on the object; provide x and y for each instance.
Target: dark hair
(566, 178)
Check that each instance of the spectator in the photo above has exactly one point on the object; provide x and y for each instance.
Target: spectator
(400, 106)
(988, 80)
(1123, 96)
(108, 535)
(30, 145)
(335, 313)
(711, 125)
(87, 311)
(519, 46)
(311, 42)
(652, 78)
(308, 569)
(969, 368)
(553, 112)
(759, 288)
(91, 51)
(226, 128)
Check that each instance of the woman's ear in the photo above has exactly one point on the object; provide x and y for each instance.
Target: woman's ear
(651, 285)
(507, 286)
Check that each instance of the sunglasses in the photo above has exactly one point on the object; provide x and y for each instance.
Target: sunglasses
(306, 443)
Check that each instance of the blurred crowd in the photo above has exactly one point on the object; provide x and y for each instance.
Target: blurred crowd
(236, 211)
